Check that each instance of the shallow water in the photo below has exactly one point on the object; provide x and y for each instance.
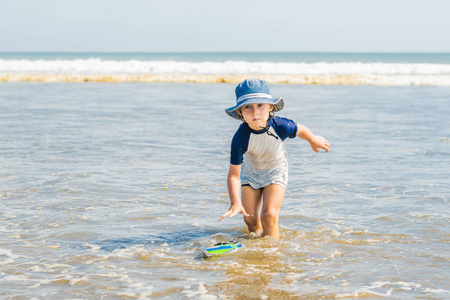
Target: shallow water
(112, 190)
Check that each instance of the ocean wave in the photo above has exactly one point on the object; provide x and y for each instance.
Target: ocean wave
(384, 80)
(98, 66)
(302, 73)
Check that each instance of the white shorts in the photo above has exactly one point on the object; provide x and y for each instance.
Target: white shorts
(262, 178)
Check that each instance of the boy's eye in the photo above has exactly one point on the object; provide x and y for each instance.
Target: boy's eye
(260, 104)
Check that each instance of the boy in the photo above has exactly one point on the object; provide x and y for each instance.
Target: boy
(258, 163)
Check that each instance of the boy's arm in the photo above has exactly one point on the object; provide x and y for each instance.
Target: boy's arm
(234, 191)
(315, 141)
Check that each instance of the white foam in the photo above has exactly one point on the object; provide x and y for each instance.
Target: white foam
(436, 291)
(10, 257)
(352, 295)
(57, 265)
(137, 250)
(94, 248)
(16, 278)
(384, 288)
(98, 66)
(74, 281)
(200, 293)
(294, 276)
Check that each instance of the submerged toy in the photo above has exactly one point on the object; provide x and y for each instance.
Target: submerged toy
(221, 248)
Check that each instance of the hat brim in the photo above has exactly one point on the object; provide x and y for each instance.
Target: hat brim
(278, 104)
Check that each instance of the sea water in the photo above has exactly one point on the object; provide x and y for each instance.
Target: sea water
(386, 69)
(111, 191)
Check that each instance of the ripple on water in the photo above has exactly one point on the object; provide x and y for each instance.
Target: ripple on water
(101, 197)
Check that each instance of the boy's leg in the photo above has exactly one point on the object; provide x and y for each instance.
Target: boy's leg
(272, 198)
(251, 201)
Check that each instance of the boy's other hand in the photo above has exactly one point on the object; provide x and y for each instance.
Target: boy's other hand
(320, 142)
(234, 210)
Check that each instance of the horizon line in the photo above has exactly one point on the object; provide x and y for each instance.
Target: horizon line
(244, 52)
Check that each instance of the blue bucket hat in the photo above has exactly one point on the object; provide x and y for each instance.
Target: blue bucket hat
(252, 91)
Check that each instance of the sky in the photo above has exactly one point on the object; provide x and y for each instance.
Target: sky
(222, 26)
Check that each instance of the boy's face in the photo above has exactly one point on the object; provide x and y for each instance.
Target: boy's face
(256, 115)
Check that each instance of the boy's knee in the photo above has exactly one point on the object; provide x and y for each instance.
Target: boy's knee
(269, 217)
(252, 223)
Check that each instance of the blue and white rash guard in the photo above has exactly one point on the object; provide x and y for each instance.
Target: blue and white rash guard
(262, 153)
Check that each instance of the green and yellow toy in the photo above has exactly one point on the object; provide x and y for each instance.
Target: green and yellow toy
(221, 248)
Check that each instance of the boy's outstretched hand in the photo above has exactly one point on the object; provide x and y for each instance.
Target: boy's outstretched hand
(315, 141)
(319, 142)
(234, 210)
